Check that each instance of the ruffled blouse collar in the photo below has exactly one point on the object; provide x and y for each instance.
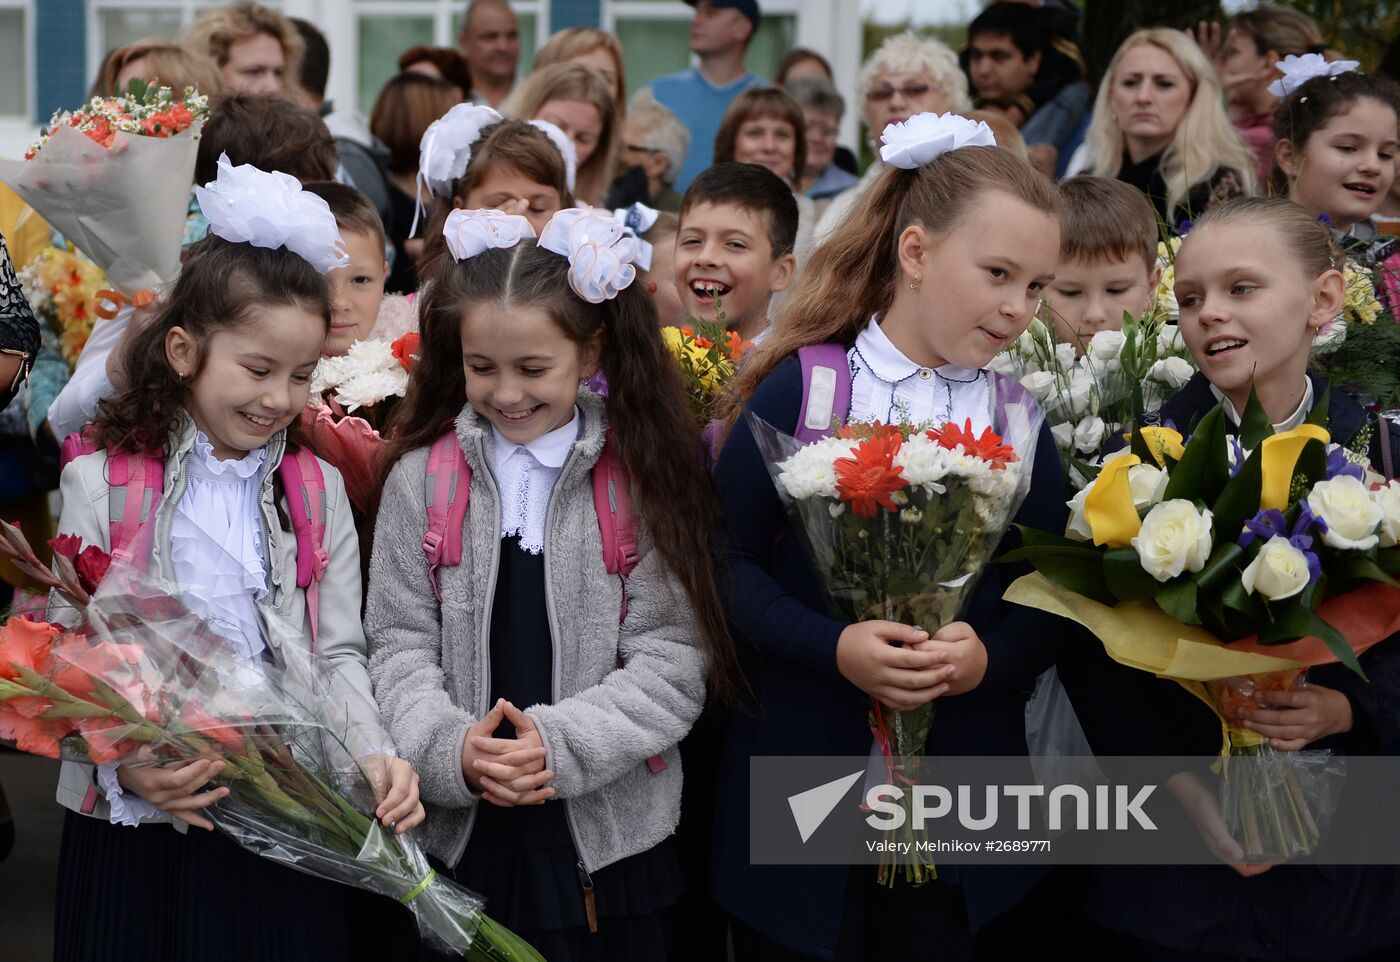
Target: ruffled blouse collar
(889, 363)
(207, 466)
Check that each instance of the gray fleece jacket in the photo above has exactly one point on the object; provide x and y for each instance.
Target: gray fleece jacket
(622, 693)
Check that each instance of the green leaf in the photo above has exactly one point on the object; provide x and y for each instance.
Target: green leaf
(1203, 469)
(1254, 424)
(1318, 414)
(1362, 568)
(1123, 573)
(1239, 501)
(1179, 600)
(1221, 564)
(1300, 621)
(1388, 559)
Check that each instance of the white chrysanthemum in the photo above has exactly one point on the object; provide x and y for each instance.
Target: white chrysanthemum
(367, 374)
(811, 472)
(925, 462)
(371, 387)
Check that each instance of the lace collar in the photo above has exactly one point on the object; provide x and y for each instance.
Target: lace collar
(206, 465)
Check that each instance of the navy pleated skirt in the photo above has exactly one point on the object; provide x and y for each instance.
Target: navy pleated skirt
(152, 894)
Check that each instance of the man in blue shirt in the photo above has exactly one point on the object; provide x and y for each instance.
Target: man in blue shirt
(719, 36)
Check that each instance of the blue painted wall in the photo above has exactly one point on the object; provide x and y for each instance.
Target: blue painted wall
(60, 39)
(574, 13)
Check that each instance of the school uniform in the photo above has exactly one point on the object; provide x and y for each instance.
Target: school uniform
(1296, 910)
(800, 704)
(134, 883)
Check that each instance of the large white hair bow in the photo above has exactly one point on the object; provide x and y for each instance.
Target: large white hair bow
(446, 149)
(639, 218)
(1298, 70)
(924, 137)
(566, 147)
(602, 253)
(469, 232)
(269, 209)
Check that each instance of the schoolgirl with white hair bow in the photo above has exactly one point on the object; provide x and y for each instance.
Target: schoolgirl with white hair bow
(543, 618)
(940, 265)
(200, 437)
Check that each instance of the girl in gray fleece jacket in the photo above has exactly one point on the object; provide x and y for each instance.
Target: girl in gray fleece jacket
(540, 697)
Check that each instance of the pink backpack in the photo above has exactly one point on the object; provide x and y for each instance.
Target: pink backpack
(136, 481)
(448, 487)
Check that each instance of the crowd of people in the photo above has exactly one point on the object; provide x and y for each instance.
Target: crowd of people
(573, 736)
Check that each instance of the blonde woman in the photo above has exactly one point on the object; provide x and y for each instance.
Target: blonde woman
(907, 75)
(256, 49)
(579, 101)
(1160, 125)
(160, 61)
(592, 48)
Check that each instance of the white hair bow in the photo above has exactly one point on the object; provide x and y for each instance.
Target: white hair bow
(566, 147)
(602, 253)
(639, 218)
(924, 137)
(269, 209)
(469, 232)
(1298, 70)
(446, 149)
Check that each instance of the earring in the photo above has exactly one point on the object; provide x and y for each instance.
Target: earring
(915, 285)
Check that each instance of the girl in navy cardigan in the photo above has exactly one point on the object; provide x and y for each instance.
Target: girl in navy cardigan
(941, 266)
(1255, 278)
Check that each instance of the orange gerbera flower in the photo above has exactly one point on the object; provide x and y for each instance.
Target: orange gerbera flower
(989, 446)
(868, 478)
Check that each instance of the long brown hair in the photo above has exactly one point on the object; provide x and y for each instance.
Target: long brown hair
(853, 274)
(658, 443)
(218, 286)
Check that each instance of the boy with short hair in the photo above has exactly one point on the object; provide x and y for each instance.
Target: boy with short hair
(357, 290)
(738, 225)
(1108, 259)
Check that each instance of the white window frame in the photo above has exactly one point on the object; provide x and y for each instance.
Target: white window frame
(342, 30)
(17, 131)
(188, 10)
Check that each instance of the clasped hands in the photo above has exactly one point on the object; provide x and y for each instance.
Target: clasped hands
(507, 771)
(904, 667)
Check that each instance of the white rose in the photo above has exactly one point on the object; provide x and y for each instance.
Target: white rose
(1063, 434)
(1065, 356)
(1278, 571)
(1169, 339)
(1106, 345)
(1089, 433)
(1148, 483)
(1041, 384)
(1078, 526)
(1387, 498)
(1352, 517)
(1172, 371)
(1005, 363)
(1174, 537)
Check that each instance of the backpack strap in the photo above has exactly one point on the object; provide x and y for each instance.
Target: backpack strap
(448, 486)
(304, 485)
(75, 445)
(826, 390)
(134, 484)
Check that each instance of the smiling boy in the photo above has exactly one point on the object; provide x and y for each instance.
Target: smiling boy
(738, 227)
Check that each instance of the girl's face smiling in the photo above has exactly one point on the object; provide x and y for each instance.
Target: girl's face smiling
(979, 284)
(1345, 168)
(522, 370)
(1248, 313)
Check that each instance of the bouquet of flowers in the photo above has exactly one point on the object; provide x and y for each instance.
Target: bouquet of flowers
(900, 520)
(1227, 564)
(1164, 298)
(62, 289)
(364, 379)
(140, 679)
(706, 354)
(1356, 351)
(114, 177)
(1090, 391)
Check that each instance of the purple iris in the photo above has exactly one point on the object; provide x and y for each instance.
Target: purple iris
(1338, 466)
(1325, 218)
(1238, 450)
(1272, 524)
(1184, 227)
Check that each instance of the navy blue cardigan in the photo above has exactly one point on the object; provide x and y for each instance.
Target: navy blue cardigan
(1345, 910)
(802, 705)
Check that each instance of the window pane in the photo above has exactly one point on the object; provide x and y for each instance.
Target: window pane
(775, 37)
(382, 39)
(653, 48)
(14, 69)
(120, 27)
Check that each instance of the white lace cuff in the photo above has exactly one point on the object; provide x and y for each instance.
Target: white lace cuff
(126, 809)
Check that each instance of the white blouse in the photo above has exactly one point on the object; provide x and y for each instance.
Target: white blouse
(526, 474)
(217, 552)
(886, 386)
